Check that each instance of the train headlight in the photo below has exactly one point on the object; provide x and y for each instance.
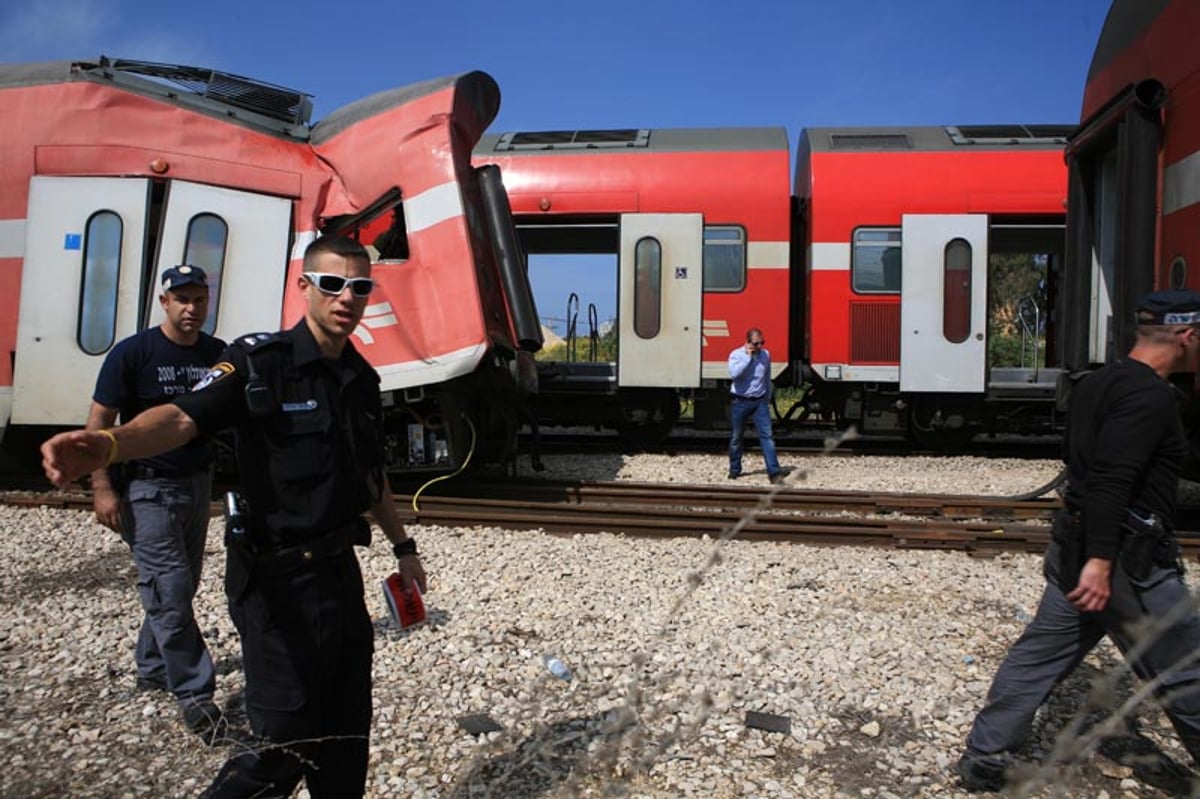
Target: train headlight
(833, 372)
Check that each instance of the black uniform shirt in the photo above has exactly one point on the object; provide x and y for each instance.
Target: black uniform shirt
(304, 466)
(1124, 449)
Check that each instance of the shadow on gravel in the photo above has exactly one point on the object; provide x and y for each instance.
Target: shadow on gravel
(1150, 764)
(386, 628)
(858, 763)
(228, 664)
(110, 570)
(534, 766)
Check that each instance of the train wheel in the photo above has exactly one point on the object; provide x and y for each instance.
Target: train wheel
(647, 416)
(940, 426)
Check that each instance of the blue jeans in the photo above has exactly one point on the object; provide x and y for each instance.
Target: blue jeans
(165, 526)
(758, 411)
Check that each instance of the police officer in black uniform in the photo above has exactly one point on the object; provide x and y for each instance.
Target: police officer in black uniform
(307, 413)
(1113, 567)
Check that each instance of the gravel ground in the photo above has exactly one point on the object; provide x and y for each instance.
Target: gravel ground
(878, 659)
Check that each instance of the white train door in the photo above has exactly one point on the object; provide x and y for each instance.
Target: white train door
(241, 241)
(88, 280)
(943, 303)
(659, 300)
(81, 283)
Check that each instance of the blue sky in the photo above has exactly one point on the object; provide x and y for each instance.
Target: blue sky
(619, 63)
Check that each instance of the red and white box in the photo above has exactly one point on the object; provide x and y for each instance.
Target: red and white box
(407, 607)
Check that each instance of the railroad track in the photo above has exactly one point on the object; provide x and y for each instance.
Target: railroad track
(796, 443)
(975, 524)
(980, 525)
(626, 492)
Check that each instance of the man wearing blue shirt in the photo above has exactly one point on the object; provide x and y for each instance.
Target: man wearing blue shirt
(750, 370)
(159, 504)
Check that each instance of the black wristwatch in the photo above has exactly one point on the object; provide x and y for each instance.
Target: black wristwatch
(406, 547)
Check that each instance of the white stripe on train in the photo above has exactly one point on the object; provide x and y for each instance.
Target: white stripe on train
(1181, 184)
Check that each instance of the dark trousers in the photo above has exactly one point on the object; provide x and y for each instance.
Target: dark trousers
(307, 643)
(1060, 636)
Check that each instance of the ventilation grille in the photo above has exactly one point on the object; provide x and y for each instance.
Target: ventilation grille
(573, 139)
(869, 141)
(1010, 134)
(874, 332)
(274, 102)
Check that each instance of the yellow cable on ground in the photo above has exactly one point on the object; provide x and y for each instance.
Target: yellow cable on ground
(470, 451)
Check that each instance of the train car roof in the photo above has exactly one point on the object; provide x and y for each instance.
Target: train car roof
(935, 138)
(254, 103)
(631, 140)
(478, 89)
(1127, 21)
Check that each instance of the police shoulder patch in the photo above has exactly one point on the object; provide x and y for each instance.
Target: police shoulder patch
(218, 371)
(255, 341)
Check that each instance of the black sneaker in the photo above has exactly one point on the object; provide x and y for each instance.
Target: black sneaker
(780, 476)
(734, 475)
(980, 772)
(147, 684)
(205, 719)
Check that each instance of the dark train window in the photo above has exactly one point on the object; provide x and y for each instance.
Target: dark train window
(956, 291)
(1179, 270)
(392, 243)
(875, 261)
(647, 291)
(101, 273)
(724, 258)
(207, 236)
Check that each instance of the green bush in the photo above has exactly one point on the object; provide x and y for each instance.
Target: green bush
(1005, 350)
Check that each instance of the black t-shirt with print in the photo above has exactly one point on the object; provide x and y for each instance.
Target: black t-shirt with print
(148, 369)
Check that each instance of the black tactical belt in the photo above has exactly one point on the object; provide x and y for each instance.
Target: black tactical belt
(271, 562)
(138, 472)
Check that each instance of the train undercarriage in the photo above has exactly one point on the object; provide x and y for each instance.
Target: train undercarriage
(1016, 401)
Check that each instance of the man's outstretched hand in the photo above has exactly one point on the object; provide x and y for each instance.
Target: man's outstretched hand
(69, 456)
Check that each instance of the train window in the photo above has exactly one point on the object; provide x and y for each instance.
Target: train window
(647, 293)
(724, 258)
(205, 247)
(875, 260)
(1179, 270)
(956, 291)
(98, 294)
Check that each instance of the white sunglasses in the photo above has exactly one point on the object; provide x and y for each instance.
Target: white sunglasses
(333, 285)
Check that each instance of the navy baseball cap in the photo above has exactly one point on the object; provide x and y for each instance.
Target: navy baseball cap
(183, 275)
(1169, 307)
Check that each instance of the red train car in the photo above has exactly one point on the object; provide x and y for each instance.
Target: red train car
(1134, 215)
(906, 235)
(112, 170)
(870, 279)
(698, 222)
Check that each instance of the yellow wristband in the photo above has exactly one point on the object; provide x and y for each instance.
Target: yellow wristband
(112, 451)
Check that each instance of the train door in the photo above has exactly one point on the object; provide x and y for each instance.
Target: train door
(90, 278)
(81, 285)
(659, 300)
(943, 302)
(241, 241)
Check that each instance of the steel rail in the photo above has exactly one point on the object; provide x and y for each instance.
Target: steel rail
(554, 443)
(978, 525)
(766, 524)
(783, 499)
